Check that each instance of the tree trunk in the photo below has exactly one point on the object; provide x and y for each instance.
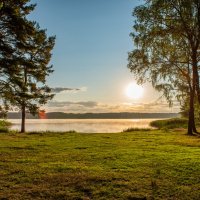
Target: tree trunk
(191, 121)
(23, 118)
(197, 87)
(196, 76)
(194, 125)
(23, 102)
(194, 90)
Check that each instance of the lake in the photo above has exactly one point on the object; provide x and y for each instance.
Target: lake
(81, 125)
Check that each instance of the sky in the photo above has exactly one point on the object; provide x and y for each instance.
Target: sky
(90, 56)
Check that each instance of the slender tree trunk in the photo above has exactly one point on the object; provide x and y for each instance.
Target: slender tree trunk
(23, 118)
(196, 75)
(191, 123)
(23, 103)
(191, 119)
(197, 86)
(196, 89)
(194, 124)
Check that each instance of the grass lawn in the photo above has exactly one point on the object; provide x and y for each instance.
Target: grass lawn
(135, 165)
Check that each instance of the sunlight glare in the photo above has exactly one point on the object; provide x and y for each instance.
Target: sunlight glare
(134, 91)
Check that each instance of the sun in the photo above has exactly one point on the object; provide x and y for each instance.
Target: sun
(134, 91)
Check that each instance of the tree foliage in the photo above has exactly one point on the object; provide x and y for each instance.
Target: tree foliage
(167, 48)
(24, 57)
(13, 28)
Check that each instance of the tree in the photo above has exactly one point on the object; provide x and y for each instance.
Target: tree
(13, 27)
(167, 37)
(28, 89)
(26, 67)
(184, 109)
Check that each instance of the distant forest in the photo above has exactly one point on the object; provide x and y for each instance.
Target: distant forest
(123, 115)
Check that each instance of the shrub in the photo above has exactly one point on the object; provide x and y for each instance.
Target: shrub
(4, 126)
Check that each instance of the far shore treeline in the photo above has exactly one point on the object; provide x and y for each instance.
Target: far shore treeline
(121, 115)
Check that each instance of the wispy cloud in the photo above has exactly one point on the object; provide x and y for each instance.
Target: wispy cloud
(92, 106)
(61, 104)
(68, 90)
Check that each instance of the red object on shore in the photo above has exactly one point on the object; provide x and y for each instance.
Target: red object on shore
(42, 114)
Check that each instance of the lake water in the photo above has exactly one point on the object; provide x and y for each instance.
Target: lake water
(81, 125)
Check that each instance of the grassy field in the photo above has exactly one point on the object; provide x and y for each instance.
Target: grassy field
(135, 165)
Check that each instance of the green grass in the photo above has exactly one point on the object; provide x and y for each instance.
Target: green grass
(135, 129)
(132, 165)
(170, 123)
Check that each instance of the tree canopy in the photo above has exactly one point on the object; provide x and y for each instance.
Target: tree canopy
(24, 57)
(167, 43)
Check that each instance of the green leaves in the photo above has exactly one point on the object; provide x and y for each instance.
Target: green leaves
(167, 48)
(160, 44)
(25, 53)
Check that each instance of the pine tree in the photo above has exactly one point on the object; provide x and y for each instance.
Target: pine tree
(29, 89)
(13, 27)
(24, 65)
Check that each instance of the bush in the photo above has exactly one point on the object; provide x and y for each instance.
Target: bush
(4, 125)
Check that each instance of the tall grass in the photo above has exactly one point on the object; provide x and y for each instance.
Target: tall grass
(170, 123)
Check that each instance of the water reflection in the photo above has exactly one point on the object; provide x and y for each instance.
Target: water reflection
(82, 125)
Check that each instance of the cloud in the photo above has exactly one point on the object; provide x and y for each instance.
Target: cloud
(83, 89)
(65, 89)
(88, 103)
(69, 103)
(97, 107)
(62, 89)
